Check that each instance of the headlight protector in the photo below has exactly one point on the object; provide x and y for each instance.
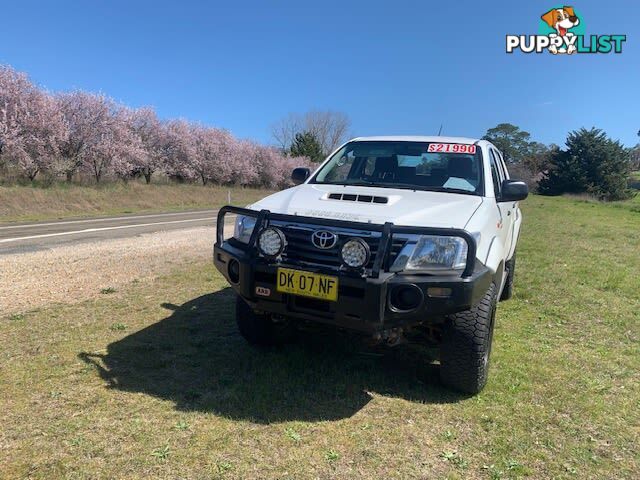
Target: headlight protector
(244, 228)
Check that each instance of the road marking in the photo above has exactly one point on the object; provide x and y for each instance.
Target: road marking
(106, 219)
(102, 229)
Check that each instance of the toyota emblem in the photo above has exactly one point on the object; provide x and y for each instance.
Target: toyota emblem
(324, 239)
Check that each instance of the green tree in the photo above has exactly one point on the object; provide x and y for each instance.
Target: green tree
(306, 144)
(592, 163)
(538, 157)
(515, 144)
(530, 168)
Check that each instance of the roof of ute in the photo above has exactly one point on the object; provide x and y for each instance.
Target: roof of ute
(417, 138)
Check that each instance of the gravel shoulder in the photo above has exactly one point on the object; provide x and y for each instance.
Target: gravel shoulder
(72, 273)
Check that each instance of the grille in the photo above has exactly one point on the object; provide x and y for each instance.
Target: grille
(300, 247)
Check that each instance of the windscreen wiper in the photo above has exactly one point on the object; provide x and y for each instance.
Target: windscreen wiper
(449, 190)
(363, 183)
(367, 183)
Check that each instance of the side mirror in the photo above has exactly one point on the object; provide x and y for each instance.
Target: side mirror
(513, 191)
(300, 174)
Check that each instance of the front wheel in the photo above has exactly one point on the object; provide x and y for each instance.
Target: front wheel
(262, 329)
(466, 345)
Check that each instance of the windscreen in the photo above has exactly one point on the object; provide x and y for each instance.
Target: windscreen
(416, 165)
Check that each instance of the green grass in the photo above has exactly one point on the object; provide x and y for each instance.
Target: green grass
(26, 203)
(633, 204)
(178, 394)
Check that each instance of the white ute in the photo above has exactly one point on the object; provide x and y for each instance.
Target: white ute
(393, 237)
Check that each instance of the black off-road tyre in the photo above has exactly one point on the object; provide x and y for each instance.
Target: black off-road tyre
(261, 329)
(507, 291)
(466, 345)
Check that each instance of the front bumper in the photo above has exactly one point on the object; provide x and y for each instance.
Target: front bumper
(363, 301)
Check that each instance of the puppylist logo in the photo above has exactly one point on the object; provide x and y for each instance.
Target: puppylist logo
(562, 31)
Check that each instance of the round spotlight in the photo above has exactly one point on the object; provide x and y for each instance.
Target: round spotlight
(355, 253)
(234, 271)
(405, 298)
(271, 242)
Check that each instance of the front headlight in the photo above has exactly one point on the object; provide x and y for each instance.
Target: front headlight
(433, 253)
(244, 228)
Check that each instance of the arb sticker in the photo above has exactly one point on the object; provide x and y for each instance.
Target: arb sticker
(263, 291)
(451, 148)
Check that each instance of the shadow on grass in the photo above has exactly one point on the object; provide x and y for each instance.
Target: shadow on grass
(196, 359)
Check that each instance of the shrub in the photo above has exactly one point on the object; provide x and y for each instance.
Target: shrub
(592, 163)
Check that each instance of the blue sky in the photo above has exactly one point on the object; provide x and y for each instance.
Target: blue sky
(394, 67)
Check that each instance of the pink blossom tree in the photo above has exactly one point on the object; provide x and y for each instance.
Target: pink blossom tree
(32, 128)
(179, 150)
(212, 153)
(98, 134)
(14, 89)
(84, 132)
(118, 151)
(244, 160)
(151, 139)
(275, 168)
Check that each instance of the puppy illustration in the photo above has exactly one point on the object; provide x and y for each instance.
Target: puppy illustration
(561, 19)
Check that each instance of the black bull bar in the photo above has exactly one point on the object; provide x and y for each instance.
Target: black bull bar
(263, 217)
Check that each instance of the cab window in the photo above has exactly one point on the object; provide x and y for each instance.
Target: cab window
(496, 174)
(501, 165)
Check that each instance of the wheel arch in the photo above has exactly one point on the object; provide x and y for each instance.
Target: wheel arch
(495, 255)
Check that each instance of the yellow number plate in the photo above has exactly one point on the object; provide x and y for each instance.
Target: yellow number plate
(298, 282)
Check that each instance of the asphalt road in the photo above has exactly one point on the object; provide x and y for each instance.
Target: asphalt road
(26, 237)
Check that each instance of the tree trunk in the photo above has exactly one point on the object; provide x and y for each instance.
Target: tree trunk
(69, 174)
(147, 176)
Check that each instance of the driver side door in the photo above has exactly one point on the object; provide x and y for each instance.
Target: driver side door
(505, 210)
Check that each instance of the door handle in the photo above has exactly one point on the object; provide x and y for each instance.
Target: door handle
(509, 213)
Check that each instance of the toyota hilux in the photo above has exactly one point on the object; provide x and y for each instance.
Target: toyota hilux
(396, 238)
